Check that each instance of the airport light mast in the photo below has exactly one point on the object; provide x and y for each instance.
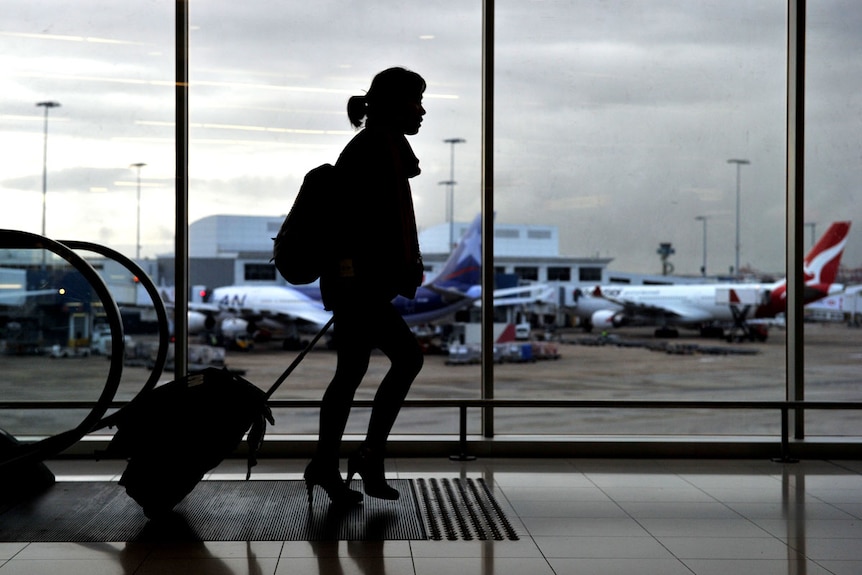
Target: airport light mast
(450, 211)
(738, 162)
(138, 165)
(47, 105)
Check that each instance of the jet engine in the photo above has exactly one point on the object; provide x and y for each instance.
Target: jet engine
(199, 322)
(606, 318)
(233, 326)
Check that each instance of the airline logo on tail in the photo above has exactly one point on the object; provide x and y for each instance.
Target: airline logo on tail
(821, 264)
(820, 269)
(463, 269)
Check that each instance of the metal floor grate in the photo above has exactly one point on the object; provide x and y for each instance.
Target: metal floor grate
(462, 509)
(258, 511)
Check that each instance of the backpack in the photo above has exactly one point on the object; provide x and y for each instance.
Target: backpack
(302, 247)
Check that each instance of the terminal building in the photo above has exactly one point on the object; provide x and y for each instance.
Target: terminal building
(236, 250)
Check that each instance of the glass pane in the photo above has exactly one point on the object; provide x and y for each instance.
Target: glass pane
(626, 131)
(269, 89)
(832, 334)
(140, 329)
(88, 92)
(52, 325)
(88, 154)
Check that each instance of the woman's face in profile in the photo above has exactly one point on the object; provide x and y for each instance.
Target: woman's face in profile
(411, 116)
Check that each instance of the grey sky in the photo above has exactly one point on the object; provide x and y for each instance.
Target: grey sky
(615, 119)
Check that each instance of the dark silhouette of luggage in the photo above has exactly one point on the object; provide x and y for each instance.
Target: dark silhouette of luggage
(181, 430)
(174, 434)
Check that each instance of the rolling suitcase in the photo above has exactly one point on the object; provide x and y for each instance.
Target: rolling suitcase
(172, 435)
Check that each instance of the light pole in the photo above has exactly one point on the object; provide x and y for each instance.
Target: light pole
(703, 267)
(738, 163)
(47, 105)
(450, 212)
(449, 196)
(138, 165)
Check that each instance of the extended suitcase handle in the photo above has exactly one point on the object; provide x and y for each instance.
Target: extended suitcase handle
(299, 358)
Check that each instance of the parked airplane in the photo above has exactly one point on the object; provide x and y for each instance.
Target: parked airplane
(706, 305)
(286, 309)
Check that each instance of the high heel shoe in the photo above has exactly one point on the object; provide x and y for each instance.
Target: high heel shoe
(329, 478)
(369, 466)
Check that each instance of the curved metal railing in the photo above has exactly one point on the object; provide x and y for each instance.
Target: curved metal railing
(23, 453)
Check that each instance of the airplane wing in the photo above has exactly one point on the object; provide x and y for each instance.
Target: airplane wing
(454, 295)
(446, 294)
(528, 294)
(673, 311)
(307, 314)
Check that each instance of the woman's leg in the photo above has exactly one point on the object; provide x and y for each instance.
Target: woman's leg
(390, 334)
(353, 354)
(394, 338)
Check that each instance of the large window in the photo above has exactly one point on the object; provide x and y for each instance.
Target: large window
(268, 96)
(832, 171)
(649, 133)
(615, 122)
(88, 154)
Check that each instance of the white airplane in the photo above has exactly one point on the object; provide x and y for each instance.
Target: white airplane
(284, 310)
(703, 305)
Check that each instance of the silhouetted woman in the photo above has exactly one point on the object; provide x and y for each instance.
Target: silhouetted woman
(376, 258)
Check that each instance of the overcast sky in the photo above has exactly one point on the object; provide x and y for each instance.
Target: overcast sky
(614, 119)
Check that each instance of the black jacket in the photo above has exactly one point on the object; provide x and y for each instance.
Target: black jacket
(375, 243)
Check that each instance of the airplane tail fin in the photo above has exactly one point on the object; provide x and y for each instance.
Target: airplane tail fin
(821, 263)
(463, 269)
(819, 268)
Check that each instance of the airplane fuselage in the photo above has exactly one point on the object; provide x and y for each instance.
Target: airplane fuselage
(294, 301)
(690, 304)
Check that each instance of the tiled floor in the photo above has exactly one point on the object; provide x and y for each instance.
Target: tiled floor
(574, 516)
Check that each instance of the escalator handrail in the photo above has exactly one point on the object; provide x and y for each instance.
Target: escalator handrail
(39, 450)
(158, 305)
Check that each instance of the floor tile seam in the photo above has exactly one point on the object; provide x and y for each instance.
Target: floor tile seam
(728, 507)
(690, 562)
(819, 564)
(837, 507)
(841, 466)
(658, 538)
(754, 523)
(17, 553)
(278, 559)
(638, 523)
(149, 554)
(538, 547)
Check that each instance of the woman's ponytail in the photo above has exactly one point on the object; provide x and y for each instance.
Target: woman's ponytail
(357, 110)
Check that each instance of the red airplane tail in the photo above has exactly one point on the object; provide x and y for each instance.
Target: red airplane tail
(820, 267)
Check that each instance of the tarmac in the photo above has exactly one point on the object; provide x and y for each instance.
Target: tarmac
(631, 365)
